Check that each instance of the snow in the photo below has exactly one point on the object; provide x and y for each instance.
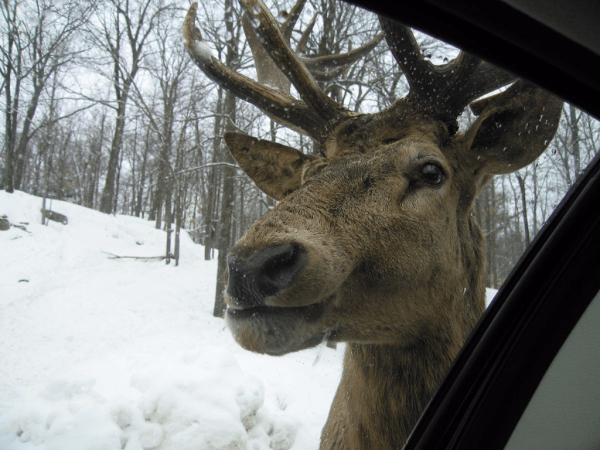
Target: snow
(101, 354)
(203, 51)
(489, 295)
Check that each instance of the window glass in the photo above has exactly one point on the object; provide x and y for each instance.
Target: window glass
(562, 413)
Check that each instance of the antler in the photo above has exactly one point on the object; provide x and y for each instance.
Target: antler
(327, 68)
(322, 68)
(290, 64)
(277, 68)
(442, 91)
(290, 111)
(454, 85)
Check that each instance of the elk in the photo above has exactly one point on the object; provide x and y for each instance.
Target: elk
(374, 242)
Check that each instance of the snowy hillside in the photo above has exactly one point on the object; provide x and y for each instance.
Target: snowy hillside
(102, 354)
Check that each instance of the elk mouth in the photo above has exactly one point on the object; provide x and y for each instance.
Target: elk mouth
(271, 310)
(276, 330)
(274, 305)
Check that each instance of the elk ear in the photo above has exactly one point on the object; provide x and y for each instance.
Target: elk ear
(513, 128)
(276, 169)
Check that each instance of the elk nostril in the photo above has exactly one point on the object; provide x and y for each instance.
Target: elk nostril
(282, 261)
(280, 267)
(265, 273)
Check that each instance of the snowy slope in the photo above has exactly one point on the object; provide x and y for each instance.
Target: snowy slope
(103, 354)
(99, 353)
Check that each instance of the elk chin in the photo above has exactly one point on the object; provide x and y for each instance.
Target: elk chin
(276, 330)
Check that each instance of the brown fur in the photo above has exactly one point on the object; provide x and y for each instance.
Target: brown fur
(395, 265)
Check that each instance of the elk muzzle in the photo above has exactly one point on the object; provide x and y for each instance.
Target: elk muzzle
(258, 314)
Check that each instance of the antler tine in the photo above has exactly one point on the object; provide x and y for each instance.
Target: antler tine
(303, 41)
(454, 85)
(342, 60)
(288, 25)
(275, 45)
(267, 71)
(289, 111)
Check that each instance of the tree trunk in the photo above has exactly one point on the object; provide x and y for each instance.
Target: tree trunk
(574, 119)
(11, 106)
(229, 107)
(177, 226)
(117, 184)
(108, 193)
(10, 130)
(168, 226)
(210, 226)
(241, 221)
(21, 150)
(524, 203)
(227, 200)
(142, 180)
(492, 267)
(536, 198)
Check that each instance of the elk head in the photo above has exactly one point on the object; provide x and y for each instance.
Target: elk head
(374, 241)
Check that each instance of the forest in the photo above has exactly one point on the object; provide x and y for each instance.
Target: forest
(102, 107)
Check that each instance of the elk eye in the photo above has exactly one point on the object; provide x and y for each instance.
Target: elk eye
(432, 174)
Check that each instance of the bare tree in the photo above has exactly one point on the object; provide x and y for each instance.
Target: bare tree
(168, 67)
(38, 43)
(124, 29)
(232, 36)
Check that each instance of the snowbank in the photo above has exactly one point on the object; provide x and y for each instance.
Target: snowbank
(206, 403)
(102, 354)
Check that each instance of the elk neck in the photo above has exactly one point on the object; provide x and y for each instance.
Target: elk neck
(383, 391)
(385, 387)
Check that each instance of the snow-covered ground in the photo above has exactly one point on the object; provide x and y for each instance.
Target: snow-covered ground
(102, 354)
